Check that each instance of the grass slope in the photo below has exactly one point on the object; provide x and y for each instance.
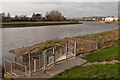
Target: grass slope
(96, 70)
(107, 54)
(93, 71)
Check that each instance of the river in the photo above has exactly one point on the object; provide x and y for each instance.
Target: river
(13, 38)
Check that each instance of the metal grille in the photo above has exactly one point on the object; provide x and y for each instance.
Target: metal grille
(34, 62)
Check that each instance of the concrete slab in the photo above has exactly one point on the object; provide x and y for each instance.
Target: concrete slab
(65, 65)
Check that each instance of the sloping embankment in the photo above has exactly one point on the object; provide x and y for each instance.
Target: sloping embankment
(103, 39)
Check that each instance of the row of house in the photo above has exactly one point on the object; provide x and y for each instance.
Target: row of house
(111, 18)
(107, 19)
(87, 18)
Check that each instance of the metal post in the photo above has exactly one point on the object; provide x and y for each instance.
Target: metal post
(15, 61)
(45, 59)
(25, 70)
(89, 47)
(11, 68)
(66, 50)
(35, 65)
(29, 65)
(39, 60)
(4, 66)
(54, 61)
(96, 45)
(60, 51)
(68, 46)
(75, 48)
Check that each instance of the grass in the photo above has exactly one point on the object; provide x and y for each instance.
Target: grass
(108, 37)
(36, 23)
(107, 54)
(54, 43)
(48, 46)
(93, 37)
(103, 39)
(27, 22)
(93, 71)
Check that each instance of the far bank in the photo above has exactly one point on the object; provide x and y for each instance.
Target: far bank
(113, 22)
(38, 23)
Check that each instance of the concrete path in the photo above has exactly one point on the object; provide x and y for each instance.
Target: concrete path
(58, 68)
(40, 74)
(65, 65)
(104, 62)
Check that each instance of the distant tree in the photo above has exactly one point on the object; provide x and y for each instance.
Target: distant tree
(33, 16)
(3, 16)
(54, 16)
(8, 15)
(36, 17)
(16, 17)
(61, 18)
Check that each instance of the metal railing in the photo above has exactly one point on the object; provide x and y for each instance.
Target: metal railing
(42, 60)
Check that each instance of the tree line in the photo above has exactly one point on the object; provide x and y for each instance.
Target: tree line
(53, 15)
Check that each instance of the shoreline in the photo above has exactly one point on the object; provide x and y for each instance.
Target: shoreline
(113, 22)
(37, 24)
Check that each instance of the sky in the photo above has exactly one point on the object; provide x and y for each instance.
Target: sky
(68, 9)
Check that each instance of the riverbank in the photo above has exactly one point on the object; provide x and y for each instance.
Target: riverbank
(113, 22)
(38, 23)
(104, 39)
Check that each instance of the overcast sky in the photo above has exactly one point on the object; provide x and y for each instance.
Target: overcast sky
(68, 9)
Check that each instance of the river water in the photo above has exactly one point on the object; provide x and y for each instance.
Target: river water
(13, 38)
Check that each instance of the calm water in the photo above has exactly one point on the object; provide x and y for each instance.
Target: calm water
(13, 38)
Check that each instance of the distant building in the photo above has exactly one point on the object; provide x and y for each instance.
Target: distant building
(2, 15)
(22, 17)
(116, 18)
(37, 16)
(109, 19)
(103, 19)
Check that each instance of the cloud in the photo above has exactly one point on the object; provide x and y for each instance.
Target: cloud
(69, 9)
(59, 0)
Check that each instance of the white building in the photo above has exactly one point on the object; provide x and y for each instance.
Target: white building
(103, 19)
(109, 19)
(116, 18)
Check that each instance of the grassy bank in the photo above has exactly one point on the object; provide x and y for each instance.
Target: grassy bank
(96, 70)
(38, 23)
(93, 71)
(103, 39)
(107, 54)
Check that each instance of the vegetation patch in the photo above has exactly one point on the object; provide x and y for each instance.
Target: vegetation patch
(54, 43)
(93, 71)
(106, 54)
(103, 39)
